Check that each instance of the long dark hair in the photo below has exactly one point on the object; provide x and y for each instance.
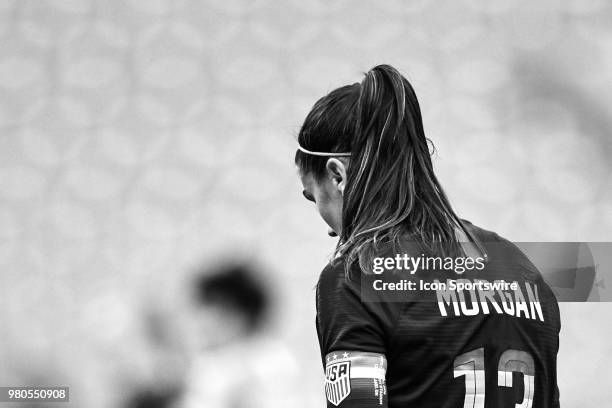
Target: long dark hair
(391, 189)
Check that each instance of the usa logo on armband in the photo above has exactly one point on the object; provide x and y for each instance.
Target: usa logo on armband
(337, 381)
(367, 369)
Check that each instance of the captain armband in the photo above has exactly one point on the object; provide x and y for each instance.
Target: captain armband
(355, 379)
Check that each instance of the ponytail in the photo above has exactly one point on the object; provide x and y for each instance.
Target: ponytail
(391, 191)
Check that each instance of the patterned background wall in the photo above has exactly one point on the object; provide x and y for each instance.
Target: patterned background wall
(141, 139)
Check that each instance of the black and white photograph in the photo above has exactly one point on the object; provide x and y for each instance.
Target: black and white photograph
(305, 203)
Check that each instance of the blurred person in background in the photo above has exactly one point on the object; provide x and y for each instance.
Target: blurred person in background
(209, 315)
(194, 344)
(207, 339)
(365, 163)
(237, 361)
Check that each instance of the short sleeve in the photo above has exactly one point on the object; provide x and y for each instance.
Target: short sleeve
(344, 321)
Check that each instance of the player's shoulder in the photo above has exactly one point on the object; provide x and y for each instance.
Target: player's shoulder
(337, 275)
(335, 278)
(482, 234)
(339, 287)
(501, 249)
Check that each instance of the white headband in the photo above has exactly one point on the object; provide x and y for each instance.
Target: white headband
(327, 154)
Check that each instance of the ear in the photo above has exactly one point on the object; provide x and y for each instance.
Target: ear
(336, 172)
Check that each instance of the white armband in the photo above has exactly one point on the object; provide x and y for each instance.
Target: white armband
(355, 375)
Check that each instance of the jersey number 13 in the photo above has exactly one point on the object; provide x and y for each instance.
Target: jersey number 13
(471, 365)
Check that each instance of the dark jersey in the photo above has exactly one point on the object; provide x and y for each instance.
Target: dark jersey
(491, 342)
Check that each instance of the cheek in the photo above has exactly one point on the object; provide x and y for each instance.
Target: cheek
(331, 212)
(325, 212)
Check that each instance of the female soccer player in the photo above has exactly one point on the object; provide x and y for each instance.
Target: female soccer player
(485, 335)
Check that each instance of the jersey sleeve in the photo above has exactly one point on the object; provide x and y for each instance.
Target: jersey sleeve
(343, 320)
(353, 336)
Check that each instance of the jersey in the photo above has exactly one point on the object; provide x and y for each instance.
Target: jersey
(489, 343)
